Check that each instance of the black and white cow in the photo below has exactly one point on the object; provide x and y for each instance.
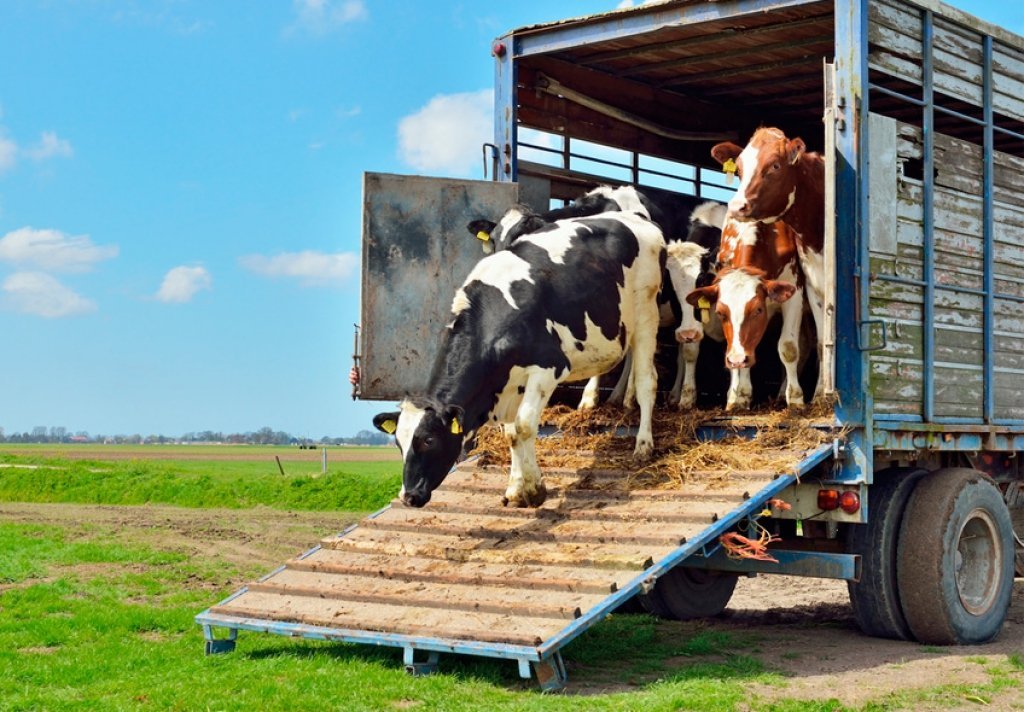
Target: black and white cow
(562, 304)
(691, 264)
(682, 218)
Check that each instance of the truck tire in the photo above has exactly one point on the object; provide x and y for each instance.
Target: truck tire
(955, 558)
(684, 594)
(875, 598)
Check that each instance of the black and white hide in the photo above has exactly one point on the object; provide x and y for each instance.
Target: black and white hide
(563, 303)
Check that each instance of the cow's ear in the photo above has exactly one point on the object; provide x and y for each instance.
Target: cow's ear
(795, 147)
(709, 295)
(531, 224)
(779, 291)
(452, 416)
(727, 151)
(481, 226)
(386, 422)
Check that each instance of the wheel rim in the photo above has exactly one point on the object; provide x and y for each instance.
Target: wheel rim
(978, 553)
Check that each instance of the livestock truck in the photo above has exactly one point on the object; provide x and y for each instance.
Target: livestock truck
(918, 110)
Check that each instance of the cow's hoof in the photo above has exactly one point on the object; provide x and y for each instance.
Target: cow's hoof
(643, 451)
(521, 500)
(586, 404)
(687, 401)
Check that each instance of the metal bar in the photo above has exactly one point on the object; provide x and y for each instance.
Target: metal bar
(911, 282)
(928, 208)
(617, 25)
(896, 95)
(505, 115)
(956, 114)
(988, 233)
(791, 563)
(1008, 132)
(302, 630)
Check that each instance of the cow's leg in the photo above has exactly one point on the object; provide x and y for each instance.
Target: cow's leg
(644, 375)
(789, 347)
(685, 388)
(618, 394)
(525, 487)
(817, 304)
(590, 394)
(740, 389)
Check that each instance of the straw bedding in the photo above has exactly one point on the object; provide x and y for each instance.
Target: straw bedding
(603, 439)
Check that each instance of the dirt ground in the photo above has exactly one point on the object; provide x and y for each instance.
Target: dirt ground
(807, 625)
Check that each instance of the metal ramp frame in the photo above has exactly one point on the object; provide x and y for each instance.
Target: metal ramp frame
(541, 657)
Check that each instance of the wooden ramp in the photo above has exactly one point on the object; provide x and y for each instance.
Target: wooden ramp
(466, 575)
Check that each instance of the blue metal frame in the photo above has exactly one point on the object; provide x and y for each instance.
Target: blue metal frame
(852, 249)
(505, 122)
(928, 207)
(987, 231)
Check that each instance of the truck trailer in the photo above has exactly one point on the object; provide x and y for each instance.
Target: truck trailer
(918, 110)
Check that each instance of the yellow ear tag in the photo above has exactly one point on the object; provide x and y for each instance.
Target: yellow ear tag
(483, 236)
(705, 309)
(389, 427)
(730, 170)
(766, 512)
(456, 427)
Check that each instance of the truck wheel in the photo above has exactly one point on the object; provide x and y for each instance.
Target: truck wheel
(875, 598)
(955, 558)
(683, 594)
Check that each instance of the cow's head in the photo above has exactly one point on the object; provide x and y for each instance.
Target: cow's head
(767, 168)
(741, 297)
(689, 268)
(495, 237)
(430, 437)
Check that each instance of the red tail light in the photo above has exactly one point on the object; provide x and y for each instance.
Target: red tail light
(849, 502)
(828, 500)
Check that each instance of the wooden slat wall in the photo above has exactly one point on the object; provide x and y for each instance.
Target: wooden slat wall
(894, 32)
(896, 372)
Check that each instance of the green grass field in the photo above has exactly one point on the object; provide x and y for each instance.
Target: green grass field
(97, 605)
(357, 479)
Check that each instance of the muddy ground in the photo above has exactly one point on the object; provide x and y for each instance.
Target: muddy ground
(806, 624)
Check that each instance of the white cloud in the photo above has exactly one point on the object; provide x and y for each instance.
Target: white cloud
(53, 250)
(318, 17)
(311, 268)
(182, 283)
(50, 146)
(8, 153)
(447, 133)
(42, 295)
(632, 3)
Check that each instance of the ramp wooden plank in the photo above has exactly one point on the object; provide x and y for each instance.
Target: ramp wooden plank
(407, 620)
(453, 597)
(495, 526)
(593, 507)
(454, 548)
(409, 568)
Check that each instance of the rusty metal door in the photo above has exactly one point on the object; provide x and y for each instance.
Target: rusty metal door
(416, 253)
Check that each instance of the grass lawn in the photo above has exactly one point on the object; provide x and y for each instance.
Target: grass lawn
(350, 484)
(93, 622)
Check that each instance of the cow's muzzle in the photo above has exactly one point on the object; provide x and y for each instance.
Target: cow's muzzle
(689, 336)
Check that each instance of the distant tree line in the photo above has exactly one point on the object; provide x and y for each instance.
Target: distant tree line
(263, 436)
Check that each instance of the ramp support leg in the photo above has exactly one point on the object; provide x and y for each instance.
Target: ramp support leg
(419, 668)
(551, 674)
(215, 646)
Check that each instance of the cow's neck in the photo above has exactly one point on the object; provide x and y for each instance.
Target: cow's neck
(771, 252)
(466, 379)
(807, 216)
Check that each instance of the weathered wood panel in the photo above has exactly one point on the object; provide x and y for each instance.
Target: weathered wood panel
(894, 34)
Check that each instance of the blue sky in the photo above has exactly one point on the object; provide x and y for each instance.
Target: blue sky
(180, 195)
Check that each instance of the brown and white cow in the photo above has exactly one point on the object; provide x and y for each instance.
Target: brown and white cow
(781, 180)
(762, 276)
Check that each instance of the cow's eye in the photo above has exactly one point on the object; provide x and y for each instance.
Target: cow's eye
(428, 442)
(776, 166)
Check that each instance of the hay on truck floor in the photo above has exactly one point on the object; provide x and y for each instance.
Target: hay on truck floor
(603, 439)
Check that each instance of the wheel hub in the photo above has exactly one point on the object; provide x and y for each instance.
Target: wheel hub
(977, 557)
